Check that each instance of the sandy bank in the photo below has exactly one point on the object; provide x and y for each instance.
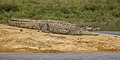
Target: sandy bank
(14, 39)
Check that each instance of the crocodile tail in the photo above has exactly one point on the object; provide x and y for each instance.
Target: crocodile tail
(24, 23)
(17, 22)
(12, 22)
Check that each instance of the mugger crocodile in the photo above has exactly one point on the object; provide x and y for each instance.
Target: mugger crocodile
(51, 26)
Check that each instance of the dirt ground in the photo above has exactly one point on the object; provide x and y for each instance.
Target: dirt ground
(14, 39)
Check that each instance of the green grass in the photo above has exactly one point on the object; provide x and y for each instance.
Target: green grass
(91, 12)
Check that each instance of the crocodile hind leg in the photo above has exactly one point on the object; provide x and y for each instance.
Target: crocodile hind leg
(21, 24)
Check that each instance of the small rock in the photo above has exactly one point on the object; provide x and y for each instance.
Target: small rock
(21, 30)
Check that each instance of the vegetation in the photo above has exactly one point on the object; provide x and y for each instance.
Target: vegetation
(91, 12)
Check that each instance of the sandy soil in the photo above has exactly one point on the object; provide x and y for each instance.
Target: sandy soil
(14, 39)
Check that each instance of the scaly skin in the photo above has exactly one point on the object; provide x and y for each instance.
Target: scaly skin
(51, 26)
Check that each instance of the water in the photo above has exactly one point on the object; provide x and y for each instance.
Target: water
(63, 56)
(109, 32)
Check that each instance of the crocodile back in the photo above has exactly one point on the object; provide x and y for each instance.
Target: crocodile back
(51, 26)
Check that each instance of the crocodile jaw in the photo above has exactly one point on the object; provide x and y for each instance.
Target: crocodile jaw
(89, 33)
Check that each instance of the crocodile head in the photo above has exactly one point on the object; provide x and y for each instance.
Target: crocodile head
(89, 28)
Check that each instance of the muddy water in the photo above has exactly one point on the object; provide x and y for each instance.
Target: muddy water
(62, 56)
(109, 32)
